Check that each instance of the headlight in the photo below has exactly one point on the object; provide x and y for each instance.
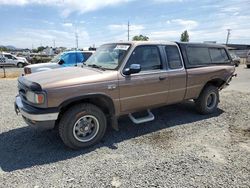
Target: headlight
(36, 98)
(27, 70)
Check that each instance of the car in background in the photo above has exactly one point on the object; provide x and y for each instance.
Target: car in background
(248, 59)
(64, 59)
(236, 59)
(7, 59)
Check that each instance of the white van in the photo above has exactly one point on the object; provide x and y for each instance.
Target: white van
(7, 59)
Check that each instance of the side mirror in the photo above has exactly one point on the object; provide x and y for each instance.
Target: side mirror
(61, 62)
(133, 69)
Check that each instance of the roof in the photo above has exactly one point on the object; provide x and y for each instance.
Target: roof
(201, 44)
(144, 42)
(78, 51)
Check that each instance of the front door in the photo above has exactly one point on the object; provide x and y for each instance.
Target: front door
(147, 88)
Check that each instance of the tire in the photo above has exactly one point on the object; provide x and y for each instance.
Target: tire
(208, 100)
(82, 126)
(248, 66)
(20, 65)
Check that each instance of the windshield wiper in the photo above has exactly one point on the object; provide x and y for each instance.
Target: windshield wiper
(96, 66)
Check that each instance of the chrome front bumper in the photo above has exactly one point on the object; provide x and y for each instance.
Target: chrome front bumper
(32, 113)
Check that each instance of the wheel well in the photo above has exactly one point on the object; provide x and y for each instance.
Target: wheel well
(103, 102)
(216, 82)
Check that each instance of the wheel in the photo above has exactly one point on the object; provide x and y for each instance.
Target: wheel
(20, 65)
(248, 66)
(82, 126)
(208, 100)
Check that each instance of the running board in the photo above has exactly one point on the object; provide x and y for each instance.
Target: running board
(145, 119)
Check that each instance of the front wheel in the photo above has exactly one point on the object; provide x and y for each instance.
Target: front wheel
(82, 126)
(208, 100)
(20, 65)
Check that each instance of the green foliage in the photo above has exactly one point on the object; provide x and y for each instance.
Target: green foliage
(185, 36)
(140, 38)
(40, 48)
(3, 49)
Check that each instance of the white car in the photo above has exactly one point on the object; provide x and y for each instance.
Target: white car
(65, 59)
(7, 59)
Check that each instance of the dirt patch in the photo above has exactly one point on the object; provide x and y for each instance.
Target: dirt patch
(9, 75)
(161, 139)
(239, 134)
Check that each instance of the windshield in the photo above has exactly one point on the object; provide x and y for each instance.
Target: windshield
(57, 58)
(108, 56)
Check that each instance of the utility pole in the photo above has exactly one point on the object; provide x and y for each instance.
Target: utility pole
(128, 30)
(76, 40)
(228, 35)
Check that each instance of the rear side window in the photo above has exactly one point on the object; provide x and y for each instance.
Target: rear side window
(218, 55)
(173, 56)
(147, 56)
(198, 56)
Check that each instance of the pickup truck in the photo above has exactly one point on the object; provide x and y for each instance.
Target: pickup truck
(123, 79)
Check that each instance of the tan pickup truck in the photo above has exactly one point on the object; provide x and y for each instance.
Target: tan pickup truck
(123, 79)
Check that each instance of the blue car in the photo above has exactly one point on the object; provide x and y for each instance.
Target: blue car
(65, 59)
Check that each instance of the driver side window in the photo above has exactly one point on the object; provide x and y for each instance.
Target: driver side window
(147, 56)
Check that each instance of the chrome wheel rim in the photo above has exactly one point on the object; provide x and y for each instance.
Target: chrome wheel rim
(86, 128)
(211, 100)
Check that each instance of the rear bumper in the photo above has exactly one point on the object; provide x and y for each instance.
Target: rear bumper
(227, 82)
(36, 116)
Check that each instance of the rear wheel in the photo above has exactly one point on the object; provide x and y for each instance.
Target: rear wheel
(82, 126)
(20, 65)
(208, 100)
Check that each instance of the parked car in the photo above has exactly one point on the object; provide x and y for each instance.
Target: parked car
(65, 59)
(7, 59)
(248, 59)
(122, 79)
(236, 59)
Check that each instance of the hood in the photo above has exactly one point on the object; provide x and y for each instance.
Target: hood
(22, 59)
(69, 76)
(42, 65)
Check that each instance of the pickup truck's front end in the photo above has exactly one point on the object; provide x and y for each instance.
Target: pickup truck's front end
(31, 102)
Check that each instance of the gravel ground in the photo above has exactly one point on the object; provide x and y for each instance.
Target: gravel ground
(179, 149)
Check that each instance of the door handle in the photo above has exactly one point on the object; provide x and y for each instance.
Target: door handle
(162, 77)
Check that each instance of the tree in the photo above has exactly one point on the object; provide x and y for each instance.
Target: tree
(3, 48)
(40, 48)
(140, 38)
(185, 36)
